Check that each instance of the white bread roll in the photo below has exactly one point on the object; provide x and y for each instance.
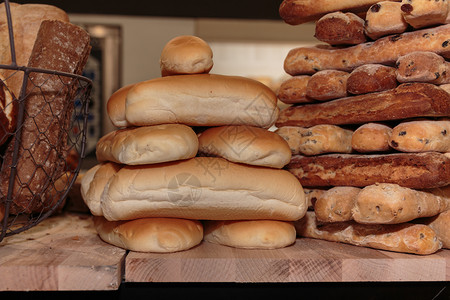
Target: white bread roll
(245, 144)
(115, 107)
(203, 188)
(186, 54)
(202, 100)
(162, 235)
(93, 184)
(148, 144)
(250, 234)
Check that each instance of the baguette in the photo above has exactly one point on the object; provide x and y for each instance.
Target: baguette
(421, 136)
(336, 204)
(386, 50)
(408, 238)
(413, 170)
(386, 203)
(408, 100)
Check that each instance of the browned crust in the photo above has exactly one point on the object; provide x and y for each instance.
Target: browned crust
(406, 101)
(412, 170)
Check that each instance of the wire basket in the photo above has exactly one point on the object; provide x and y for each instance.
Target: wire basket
(57, 168)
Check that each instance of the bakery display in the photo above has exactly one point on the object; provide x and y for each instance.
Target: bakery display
(396, 108)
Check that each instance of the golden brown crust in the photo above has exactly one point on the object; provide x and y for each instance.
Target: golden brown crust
(440, 224)
(115, 106)
(293, 90)
(371, 137)
(336, 204)
(327, 85)
(371, 78)
(406, 101)
(422, 66)
(384, 18)
(413, 170)
(340, 28)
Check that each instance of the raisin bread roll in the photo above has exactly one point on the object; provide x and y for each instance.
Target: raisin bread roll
(327, 85)
(384, 18)
(421, 66)
(371, 137)
(424, 13)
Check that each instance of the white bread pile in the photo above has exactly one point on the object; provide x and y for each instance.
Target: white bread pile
(368, 123)
(193, 159)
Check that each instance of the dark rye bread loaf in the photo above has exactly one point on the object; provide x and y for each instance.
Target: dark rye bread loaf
(59, 46)
(408, 100)
(412, 170)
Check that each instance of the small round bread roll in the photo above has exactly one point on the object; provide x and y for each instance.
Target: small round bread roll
(384, 18)
(161, 235)
(186, 54)
(148, 144)
(371, 137)
(371, 78)
(250, 234)
(245, 144)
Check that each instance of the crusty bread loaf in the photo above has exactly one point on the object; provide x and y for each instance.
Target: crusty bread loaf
(336, 204)
(421, 136)
(423, 66)
(413, 170)
(250, 234)
(440, 224)
(384, 18)
(386, 203)
(423, 13)
(59, 46)
(148, 144)
(8, 111)
(293, 90)
(371, 137)
(371, 78)
(311, 195)
(186, 54)
(203, 188)
(93, 184)
(408, 100)
(26, 20)
(296, 12)
(245, 144)
(161, 235)
(386, 50)
(115, 106)
(317, 140)
(327, 85)
(338, 28)
(405, 237)
(195, 100)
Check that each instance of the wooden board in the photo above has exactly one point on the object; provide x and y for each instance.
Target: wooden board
(308, 260)
(61, 253)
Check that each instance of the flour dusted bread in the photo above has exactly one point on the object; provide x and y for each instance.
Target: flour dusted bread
(406, 237)
(408, 100)
(371, 78)
(296, 12)
(160, 235)
(245, 144)
(115, 106)
(421, 136)
(203, 188)
(186, 54)
(250, 234)
(413, 170)
(338, 28)
(148, 144)
(384, 18)
(201, 100)
(385, 50)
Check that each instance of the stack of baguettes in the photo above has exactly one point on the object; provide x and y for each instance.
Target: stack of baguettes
(368, 126)
(193, 160)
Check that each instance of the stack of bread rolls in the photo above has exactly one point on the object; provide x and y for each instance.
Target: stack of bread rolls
(193, 159)
(368, 122)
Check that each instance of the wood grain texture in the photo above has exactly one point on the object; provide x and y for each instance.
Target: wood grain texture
(61, 253)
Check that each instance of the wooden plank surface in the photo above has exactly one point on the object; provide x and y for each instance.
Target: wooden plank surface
(61, 253)
(308, 260)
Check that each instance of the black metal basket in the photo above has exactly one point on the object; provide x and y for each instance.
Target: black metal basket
(65, 154)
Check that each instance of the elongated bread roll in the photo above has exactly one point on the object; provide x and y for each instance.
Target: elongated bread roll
(423, 66)
(421, 136)
(293, 90)
(203, 188)
(371, 78)
(201, 100)
(424, 13)
(336, 204)
(405, 237)
(338, 28)
(148, 144)
(386, 203)
(250, 234)
(327, 85)
(440, 224)
(160, 235)
(245, 144)
(384, 18)
(371, 137)
(386, 50)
